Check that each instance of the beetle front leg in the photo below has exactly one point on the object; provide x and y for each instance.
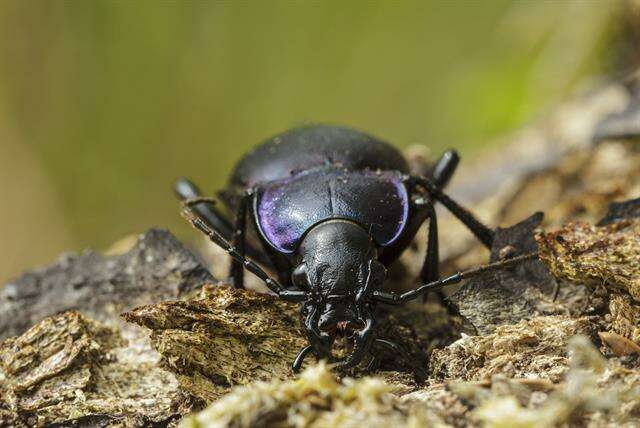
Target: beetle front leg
(373, 363)
(431, 268)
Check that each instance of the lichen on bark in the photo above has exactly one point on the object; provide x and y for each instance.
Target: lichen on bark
(608, 255)
(68, 369)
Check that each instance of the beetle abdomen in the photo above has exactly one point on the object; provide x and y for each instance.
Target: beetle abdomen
(305, 148)
(287, 208)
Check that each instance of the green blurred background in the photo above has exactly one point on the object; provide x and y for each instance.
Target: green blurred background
(104, 103)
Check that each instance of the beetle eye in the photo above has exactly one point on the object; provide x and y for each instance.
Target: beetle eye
(299, 276)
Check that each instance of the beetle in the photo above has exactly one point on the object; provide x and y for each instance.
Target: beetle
(332, 208)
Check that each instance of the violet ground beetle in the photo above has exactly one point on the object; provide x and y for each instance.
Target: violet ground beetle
(332, 208)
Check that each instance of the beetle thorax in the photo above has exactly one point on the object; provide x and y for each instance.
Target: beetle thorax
(334, 253)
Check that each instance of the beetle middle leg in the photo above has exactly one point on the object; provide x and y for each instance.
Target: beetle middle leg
(236, 271)
(444, 168)
(430, 268)
(481, 232)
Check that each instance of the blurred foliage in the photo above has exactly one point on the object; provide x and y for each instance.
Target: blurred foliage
(104, 103)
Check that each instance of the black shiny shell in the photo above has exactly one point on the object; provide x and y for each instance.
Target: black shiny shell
(305, 148)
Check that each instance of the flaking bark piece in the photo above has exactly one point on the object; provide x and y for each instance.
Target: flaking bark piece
(608, 255)
(532, 348)
(595, 393)
(228, 336)
(509, 295)
(157, 267)
(225, 337)
(624, 317)
(621, 210)
(69, 369)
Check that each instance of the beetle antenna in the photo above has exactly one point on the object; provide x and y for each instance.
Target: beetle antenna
(216, 237)
(393, 298)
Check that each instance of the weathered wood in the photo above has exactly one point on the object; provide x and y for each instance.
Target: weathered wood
(157, 267)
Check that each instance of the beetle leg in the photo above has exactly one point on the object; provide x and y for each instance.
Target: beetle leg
(431, 266)
(297, 363)
(236, 272)
(189, 193)
(280, 265)
(430, 269)
(440, 172)
(482, 232)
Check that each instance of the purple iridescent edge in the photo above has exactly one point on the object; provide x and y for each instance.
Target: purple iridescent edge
(402, 191)
(280, 236)
(283, 228)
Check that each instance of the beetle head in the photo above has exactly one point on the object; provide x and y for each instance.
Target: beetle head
(339, 268)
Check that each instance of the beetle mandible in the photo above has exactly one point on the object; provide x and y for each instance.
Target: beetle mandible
(332, 208)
